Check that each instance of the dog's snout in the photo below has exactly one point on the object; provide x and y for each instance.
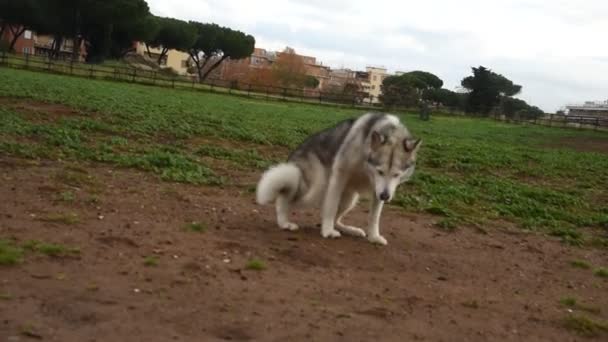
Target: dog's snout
(384, 196)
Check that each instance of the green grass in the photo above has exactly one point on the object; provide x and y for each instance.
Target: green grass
(197, 227)
(255, 265)
(585, 326)
(10, 254)
(62, 218)
(580, 264)
(471, 171)
(50, 249)
(574, 304)
(601, 272)
(151, 261)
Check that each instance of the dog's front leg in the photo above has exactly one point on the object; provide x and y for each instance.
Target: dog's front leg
(373, 233)
(330, 206)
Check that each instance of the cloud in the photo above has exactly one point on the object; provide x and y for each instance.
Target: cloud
(554, 48)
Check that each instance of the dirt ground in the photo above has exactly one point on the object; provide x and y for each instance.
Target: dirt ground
(426, 285)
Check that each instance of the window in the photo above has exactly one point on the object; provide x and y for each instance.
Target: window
(185, 63)
(373, 87)
(375, 78)
(26, 51)
(27, 34)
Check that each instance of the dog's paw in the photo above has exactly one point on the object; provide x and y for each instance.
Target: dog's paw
(377, 239)
(330, 233)
(289, 226)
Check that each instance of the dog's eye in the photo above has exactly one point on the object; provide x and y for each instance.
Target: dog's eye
(396, 175)
(380, 172)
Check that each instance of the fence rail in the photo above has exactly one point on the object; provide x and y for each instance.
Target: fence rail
(266, 92)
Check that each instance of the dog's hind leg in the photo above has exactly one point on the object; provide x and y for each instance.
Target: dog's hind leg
(282, 206)
(348, 202)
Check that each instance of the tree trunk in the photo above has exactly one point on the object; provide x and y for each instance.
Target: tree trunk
(56, 48)
(126, 51)
(213, 67)
(16, 34)
(2, 28)
(162, 54)
(148, 49)
(76, 39)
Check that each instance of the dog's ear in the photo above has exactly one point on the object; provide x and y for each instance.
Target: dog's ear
(411, 145)
(377, 140)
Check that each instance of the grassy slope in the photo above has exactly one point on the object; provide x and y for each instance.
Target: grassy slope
(471, 170)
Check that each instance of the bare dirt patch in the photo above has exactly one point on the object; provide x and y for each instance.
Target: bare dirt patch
(582, 144)
(39, 111)
(425, 285)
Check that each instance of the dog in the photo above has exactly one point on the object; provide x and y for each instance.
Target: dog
(369, 155)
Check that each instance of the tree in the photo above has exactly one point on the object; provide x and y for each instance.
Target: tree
(144, 29)
(17, 16)
(407, 89)
(311, 81)
(444, 97)
(214, 44)
(486, 89)
(289, 69)
(173, 34)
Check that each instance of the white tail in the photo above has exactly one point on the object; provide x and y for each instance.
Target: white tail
(282, 177)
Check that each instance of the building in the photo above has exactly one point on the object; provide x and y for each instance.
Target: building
(177, 60)
(598, 109)
(31, 43)
(371, 82)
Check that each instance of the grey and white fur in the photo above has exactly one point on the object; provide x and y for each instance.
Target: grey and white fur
(370, 155)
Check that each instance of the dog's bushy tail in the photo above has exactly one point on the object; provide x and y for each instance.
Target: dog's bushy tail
(282, 178)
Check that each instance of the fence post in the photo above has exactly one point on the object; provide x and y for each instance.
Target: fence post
(134, 75)
(212, 85)
(91, 72)
(48, 66)
(193, 81)
(173, 82)
(154, 78)
(320, 96)
(284, 94)
(27, 61)
(4, 59)
(72, 66)
(597, 123)
(551, 120)
(267, 93)
(249, 90)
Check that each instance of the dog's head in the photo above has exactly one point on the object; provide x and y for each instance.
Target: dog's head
(391, 160)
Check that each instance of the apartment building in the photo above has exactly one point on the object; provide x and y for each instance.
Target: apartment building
(31, 43)
(371, 82)
(177, 60)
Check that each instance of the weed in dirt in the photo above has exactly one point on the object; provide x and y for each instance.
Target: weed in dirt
(469, 168)
(63, 218)
(9, 253)
(585, 326)
(151, 261)
(448, 224)
(5, 296)
(67, 196)
(601, 272)
(50, 249)
(580, 264)
(574, 304)
(197, 227)
(255, 265)
(471, 304)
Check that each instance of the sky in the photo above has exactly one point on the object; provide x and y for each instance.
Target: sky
(556, 49)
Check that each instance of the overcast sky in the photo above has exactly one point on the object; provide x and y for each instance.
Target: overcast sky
(556, 49)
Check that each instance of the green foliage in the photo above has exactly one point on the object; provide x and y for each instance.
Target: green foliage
(486, 89)
(311, 82)
(151, 261)
(255, 265)
(50, 249)
(470, 170)
(196, 227)
(9, 253)
(585, 326)
(406, 89)
(580, 264)
(214, 44)
(601, 272)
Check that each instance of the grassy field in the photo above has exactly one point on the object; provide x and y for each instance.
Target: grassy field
(471, 171)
